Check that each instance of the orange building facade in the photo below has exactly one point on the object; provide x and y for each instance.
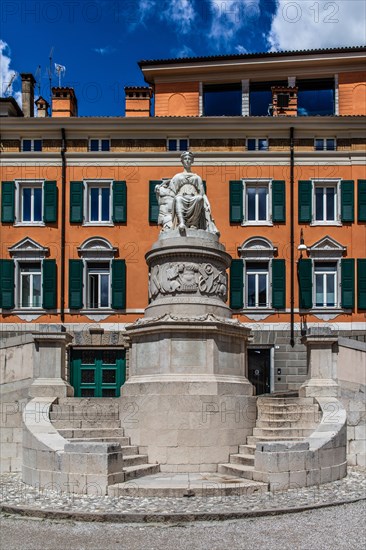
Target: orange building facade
(279, 140)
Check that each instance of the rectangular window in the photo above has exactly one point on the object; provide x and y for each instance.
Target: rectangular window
(222, 99)
(257, 277)
(178, 144)
(98, 285)
(325, 144)
(31, 203)
(97, 145)
(325, 284)
(99, 203)
(316, 97)
(257, 144)
(326, 202)
(31, 145)
(30, 285)
(257, 202)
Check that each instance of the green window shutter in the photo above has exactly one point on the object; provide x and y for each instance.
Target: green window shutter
(153, 202)
(237, 284)
(278, 201)
(361, 283)
(305, 273)
(49, 284)
(50, 202)
(362, 200)
(119, 284)
(305, 201)
(348, 283)
(76, 284)
(119, 202)
(278, 284)
(7, 201)
(236, 201)
(347, 201)
(7, 284)
(76, 202)
(204, 186)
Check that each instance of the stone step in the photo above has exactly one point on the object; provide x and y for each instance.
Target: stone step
(128, 450)
(91, 432)
(299, 431)
(82, 424)
(253, 440)
(287, 410)
(283, 423)
(238, 470)
(285, 400)
(134, 460)
(111, 401)
(293, 416)
(90, 416)
(242, 458)
(134, 472)
(247, 449)
(123, 441)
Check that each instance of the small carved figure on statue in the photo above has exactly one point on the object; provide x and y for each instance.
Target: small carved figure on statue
(183, 203)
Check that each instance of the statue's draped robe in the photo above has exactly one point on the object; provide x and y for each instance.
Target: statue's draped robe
(189, 192)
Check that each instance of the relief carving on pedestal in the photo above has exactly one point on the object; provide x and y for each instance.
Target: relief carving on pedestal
(185, 277)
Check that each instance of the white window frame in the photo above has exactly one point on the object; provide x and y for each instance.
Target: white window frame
(94, 271)
(32, 140)
(93, 251)
(99, 184)
(31, 274)
(337, 285)
(178, 140)
(259, 183)
(19, 186)
(99, 144)
(335, 183)
(26, 251)
(257, 144)
(268, 274)
(325, 144)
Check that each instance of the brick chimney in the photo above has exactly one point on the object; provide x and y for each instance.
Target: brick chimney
(42, 107)
(138, 101)
(284, 100)
(64, 102)
(28, 82)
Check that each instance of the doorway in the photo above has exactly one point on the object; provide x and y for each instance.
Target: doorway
(259, 369)
(98, 372)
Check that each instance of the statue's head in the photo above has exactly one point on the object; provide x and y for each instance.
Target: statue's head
(187, 158)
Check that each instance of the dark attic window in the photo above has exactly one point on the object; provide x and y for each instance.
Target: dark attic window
(315, 97)
(222, 99)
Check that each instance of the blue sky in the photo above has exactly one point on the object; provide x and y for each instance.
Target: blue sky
(100, 41)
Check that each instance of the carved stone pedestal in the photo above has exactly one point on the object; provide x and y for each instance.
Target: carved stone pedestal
(188, 403)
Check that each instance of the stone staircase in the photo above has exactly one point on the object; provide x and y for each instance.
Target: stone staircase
(279, 419)
(97, 421)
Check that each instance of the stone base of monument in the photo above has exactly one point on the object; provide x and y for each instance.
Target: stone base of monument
(187, 403)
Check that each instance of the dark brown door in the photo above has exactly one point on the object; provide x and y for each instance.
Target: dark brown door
(259, 363)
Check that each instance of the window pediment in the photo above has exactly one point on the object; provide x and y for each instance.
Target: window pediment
(257, 248)
(327, 248)
(97, 248)
(27, 248)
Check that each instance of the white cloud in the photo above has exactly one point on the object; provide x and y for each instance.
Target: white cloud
(307, 24)
(181, 13)
(240, 49)
(183, 51)
(7, 74)
(228, 16)
(105, 50)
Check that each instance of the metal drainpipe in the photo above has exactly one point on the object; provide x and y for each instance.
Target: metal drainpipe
(292, 240)
(63, 222)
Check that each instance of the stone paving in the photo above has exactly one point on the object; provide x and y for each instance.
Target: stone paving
(17, 495)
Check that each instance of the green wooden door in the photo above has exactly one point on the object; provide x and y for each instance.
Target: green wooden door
(98, 373)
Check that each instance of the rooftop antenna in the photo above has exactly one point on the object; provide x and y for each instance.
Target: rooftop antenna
(50, 72)
(60, 70)
(10, 83)
(37, 76)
